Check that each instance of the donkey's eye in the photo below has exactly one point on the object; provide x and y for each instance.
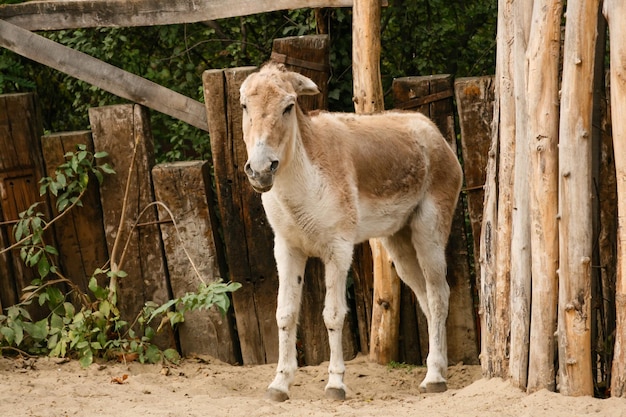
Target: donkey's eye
(244, 107)
(288, 109)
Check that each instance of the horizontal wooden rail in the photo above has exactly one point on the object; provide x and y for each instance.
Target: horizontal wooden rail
(102, 75)
(55, 15)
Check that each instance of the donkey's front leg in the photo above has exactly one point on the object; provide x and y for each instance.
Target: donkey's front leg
(291, 263)
(335, 309)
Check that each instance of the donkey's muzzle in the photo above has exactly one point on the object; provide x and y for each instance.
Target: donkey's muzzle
(262, 180)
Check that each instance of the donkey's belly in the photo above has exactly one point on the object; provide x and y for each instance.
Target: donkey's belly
(383, 218)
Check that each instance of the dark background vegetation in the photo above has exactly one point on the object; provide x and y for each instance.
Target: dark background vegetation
(419, 37)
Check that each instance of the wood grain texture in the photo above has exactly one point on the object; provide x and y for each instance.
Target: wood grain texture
(122, 131)
(185, 188)
(575, 225)
(55, 15)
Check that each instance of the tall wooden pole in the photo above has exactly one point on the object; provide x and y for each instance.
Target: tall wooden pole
(615, 13)
(543, 131)
(520, 218)
(575, 192)
(368, 98)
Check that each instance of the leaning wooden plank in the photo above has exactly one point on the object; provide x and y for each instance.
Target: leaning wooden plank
(575, 223)
(80, 234)
(615, 12)
(124, 132)
(543, 130)
(54, 15)
(102, 75)
(194, 254)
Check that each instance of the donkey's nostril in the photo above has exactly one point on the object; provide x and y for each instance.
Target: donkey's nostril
(248, 169)
(274, 166)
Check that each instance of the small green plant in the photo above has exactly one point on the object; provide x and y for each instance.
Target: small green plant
(400, 365)
(81, 324)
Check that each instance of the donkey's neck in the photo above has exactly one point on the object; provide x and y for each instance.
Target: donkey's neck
(299, 178)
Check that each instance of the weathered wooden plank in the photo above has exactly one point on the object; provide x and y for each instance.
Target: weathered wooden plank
(474, 98)
(54, 15)
(124, 132)
(185, 188)
(102, 75)
(433, 97)
(80, 234)
(363, 276)
(247, 236)
(575, 227)
(21, 167)
(615, 12)
(543, 129)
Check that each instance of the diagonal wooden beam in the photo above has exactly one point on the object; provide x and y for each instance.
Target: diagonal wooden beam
(54, 15)
(102, 75)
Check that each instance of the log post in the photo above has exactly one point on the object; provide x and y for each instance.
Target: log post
(495, 240)
(615, 13)
(368, 98)
(543, 131)
(194, 254)
(520, 217)
(575, 228)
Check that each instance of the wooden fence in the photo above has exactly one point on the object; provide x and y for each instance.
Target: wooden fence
(231, 239)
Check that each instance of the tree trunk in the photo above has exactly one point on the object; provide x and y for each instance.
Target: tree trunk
(543, 129)
(615, 12)
(575, 231)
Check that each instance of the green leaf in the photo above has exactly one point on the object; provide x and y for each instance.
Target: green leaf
(38, 331)
(51, 250)
(9, 334)
(153, 354)
(43, 267)
(100, 154)
(172, 355)
(86, 359)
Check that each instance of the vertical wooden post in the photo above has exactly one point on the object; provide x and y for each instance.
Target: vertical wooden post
(247, 235)
(520, 217)
(80, 234)
(575, 229)
(495, 241)
(185, 188)
(543, 131)
(124, 132)
(368, 98)
(615, 13)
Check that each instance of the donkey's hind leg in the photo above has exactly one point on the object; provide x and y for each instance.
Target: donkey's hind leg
(402, 251)
(430, 228)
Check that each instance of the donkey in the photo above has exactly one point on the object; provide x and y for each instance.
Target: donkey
(331, 180)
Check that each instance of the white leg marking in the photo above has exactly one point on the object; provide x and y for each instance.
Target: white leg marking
(335, 309)
(291, 263)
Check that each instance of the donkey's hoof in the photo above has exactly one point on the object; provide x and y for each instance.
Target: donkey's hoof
(276, 395)
(336, 394)
(434, 387)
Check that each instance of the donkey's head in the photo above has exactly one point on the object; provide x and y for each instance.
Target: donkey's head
(270, 125)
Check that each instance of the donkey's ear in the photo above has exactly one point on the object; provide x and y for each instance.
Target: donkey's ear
(302, 85)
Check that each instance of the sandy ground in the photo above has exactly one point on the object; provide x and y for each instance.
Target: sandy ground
(206, 387)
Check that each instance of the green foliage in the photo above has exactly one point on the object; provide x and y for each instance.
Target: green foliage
(79, 324)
